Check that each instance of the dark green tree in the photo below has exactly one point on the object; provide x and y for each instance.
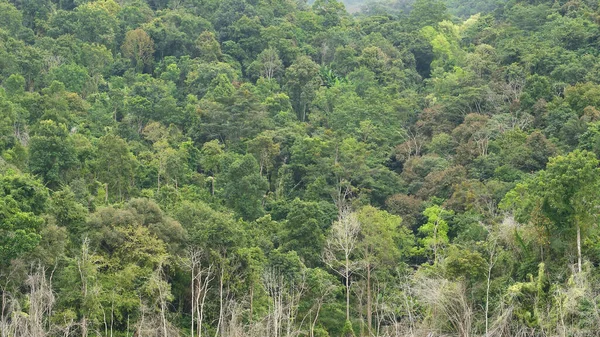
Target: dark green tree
(52, 154)
(245, 188)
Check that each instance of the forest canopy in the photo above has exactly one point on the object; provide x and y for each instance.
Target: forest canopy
(282, 168)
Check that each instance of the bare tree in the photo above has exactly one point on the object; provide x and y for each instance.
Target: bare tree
(339, 248)
(153, 320)
(482, 139)
(201, 276)
(235, 326)
(85, 268)
(449, 300)
(285, 297)
(221, 303)
(163, 289)
(35, 322)
(41, 301)
(493, 257)
(412, 146)
(9, 303)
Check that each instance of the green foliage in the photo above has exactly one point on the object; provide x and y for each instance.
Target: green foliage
(305, 228)
(383, 238)
(68, 212)
(435, 232)
(74, 77)
(245, 188)
(302, 81)
(464, 263)
(52, 153)
(22, 201)
(114, 166)
(347, 330)
(171, 160)
(427, 13)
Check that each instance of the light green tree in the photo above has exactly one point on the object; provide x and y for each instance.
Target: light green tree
(115, 166)
(435, 232)
(565, 192)
(381, 242)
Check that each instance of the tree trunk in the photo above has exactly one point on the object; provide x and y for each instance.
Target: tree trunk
(3, 333)
(251, 302)
(163, 303)
(487, 299)
(219, 323)
(112, 313)
(158, 181)
(193, 285)
(199, 311)
(578, 247)
(200, 306)
(435, 243)
(84, 331)
(347, 289)
(202, 285)
(314, 321)
(369, 305)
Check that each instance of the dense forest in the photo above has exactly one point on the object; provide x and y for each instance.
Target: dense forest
(278, 168)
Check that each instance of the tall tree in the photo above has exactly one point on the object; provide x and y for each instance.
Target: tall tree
(565, 192)
(139, 48)
(115, 166)
(22, 201)
(302, 82)
(435, 231)
(267, 64)
(207, 44)
(339, 249)
(52, 154)
(245, 188)
(381, 241)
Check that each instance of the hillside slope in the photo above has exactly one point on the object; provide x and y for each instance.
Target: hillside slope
(273, 168)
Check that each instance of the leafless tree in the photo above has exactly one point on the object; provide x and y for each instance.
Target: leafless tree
(493, 258)
(153, 320)
(35, 321)
(482, 139)
(202, 274)
(163, 289)
(83, 262)
(285, 297)
(339, 248)
(448, 302)
(412, 146)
